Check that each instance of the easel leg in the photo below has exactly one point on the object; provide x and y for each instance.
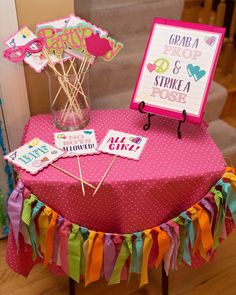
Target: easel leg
(165, 281)
(72, 286)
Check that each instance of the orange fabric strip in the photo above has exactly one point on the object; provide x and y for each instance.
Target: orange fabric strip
(96, 259)
(163, 244)
(43, 222)
(198, 240)
(50, 238)
(205, 227)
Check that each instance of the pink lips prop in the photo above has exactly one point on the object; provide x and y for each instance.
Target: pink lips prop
(96, 45)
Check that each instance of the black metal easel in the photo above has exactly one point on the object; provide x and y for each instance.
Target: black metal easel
(148, 124)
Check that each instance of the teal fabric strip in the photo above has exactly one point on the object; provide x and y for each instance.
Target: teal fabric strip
(230, 197)
(137, 253)
(32, 230)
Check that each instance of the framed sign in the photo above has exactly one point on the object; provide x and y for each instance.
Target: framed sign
(177, 69)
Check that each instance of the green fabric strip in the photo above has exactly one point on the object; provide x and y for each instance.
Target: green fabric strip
(75, 242)
(219, 203)
(26, 212)
(125, 252)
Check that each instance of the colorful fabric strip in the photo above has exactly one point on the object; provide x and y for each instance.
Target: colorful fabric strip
(80, 251)
(109, 257)
(14, 209)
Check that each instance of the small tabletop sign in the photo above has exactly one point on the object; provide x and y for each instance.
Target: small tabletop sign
(76, 143)
(34, 155)
(123, 144)
(177, 69)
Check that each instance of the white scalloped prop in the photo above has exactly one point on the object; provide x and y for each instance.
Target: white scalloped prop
(123, 144)
(34, 155)
(76, 143)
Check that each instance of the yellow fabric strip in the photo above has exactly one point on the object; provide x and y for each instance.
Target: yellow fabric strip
(43, 223)
(90, 240)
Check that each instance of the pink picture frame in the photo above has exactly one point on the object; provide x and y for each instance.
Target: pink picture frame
(197, 72)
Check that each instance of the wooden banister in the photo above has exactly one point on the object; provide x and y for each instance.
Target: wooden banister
(220, 13)
(206, 12)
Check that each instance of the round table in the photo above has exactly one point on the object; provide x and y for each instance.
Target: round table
(171, 176)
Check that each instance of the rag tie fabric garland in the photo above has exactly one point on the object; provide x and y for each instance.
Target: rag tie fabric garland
(84, 253)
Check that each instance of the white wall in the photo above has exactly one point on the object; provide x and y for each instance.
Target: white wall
(12, 79)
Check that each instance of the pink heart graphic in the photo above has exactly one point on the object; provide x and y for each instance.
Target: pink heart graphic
(210, 40)
(151, 67)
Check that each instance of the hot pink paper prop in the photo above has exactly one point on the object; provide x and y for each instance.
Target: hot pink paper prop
(96, 45)
(18, 53)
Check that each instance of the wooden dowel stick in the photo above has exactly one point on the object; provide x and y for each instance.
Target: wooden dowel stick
(80, 175)
(73, 176)
(67, 73)
(104, 176)
(78, 86)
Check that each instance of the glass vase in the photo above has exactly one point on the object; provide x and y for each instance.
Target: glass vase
(69, 100)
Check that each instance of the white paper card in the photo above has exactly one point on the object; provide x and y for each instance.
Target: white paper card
(82, 142)
(76, 21)
(34, 155)
(36, 60)
(57, 24)
(123, 144)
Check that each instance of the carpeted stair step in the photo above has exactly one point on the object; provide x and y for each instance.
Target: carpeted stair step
(215, 102)
(224, 136)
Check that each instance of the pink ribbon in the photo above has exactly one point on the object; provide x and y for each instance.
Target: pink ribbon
(169, 253)
(63, 236)
(175, 236)
(109, 257)
(14, 209)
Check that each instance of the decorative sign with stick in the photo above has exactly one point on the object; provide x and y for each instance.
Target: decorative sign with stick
(77, 143)
(60, 43)
(34, 155)
(177, 69)
(121, 144)
(82, 142)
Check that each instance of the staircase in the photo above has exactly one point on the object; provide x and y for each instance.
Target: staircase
(111, 84)
(128, 21)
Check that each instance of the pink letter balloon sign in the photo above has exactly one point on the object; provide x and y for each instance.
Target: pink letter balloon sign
(75, 143)
(123, 144)
(177, 69)
(34, 155)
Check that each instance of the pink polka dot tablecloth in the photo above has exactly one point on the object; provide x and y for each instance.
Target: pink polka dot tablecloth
(170, 176)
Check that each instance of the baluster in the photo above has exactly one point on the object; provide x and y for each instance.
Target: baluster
(229, 46)
(206, 12)
(232, 34)
(220, 13)
(234, 73)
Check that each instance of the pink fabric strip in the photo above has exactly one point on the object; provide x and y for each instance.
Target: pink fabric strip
(64, 235)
